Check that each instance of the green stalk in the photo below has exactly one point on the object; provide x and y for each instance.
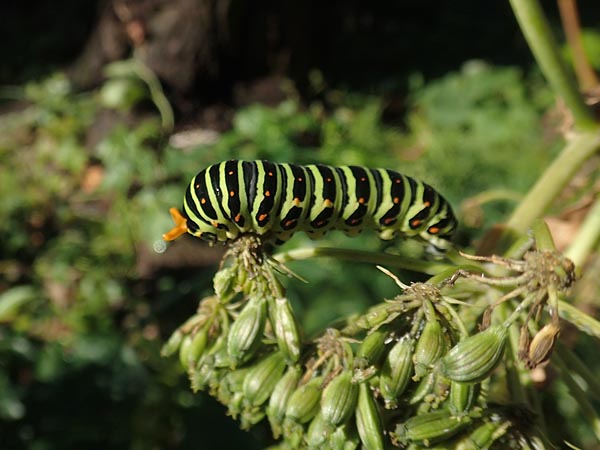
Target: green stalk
(543, 238)
(550, 184)
(587, 236)
(416, 265)
(585, 142)
(517, 379)
(581, 320)
(537, 32)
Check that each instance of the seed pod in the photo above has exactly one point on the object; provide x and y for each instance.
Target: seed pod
(344, 437)
(463, 396)
(172, 345)
(246, 332)
(542, 345)
(396, 371)
(303, 404)
(482, 437)
(224, 283)
(202, 376)
(184, 351)
(377, 315)
(198, 345)
(219, 357)
(262, 378)
(339, 399)
(368, 420)
(474, 358)
(293, 433)
(430, 347)
(234, 407)
(280, 396)
(233, 381)
(318, 432)
(250, 416)
(206, 370)
(431, 427)
(286, 329)
(371, 348)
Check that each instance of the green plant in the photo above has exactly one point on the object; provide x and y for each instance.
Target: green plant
(445, 363)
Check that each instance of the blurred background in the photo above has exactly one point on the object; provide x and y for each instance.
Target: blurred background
(108, 108)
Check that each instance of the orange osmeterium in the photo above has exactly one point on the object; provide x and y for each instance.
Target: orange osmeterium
(179, 228)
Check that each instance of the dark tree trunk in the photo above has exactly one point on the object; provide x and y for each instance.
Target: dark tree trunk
(204, 48)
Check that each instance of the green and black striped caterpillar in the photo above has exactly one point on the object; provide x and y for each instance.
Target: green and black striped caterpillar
(274, 201)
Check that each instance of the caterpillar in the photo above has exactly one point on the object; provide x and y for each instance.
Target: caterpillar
(274, 200)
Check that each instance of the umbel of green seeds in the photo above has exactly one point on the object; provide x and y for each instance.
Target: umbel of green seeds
(474, 358)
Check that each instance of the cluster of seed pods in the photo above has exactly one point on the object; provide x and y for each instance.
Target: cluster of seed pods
(408, 373)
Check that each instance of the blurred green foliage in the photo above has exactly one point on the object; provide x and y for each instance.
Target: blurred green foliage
(82, 328)
(590, 38)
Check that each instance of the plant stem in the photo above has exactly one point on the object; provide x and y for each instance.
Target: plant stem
(549, 185)
(416, 265)
(586, 237)
(517, 379)
(537, 32)
(570, 20)
(581, 320)
(543, 238)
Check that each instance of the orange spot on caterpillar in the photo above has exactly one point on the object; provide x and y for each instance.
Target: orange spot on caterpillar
(427, 204)
(237, 218)
(388, 220)
(297, 201)
(361, 200)
(363, 179)
(231, 172)
(416, 222)
(433, 230)
(270, 174)
(327, 203)
(203, 200)
(214, 223)
(232, 193)
(396, 200)
(197, 186)
(398, 181)
(289, 223)
(300, 179)
(267, 193)
(262, 217)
